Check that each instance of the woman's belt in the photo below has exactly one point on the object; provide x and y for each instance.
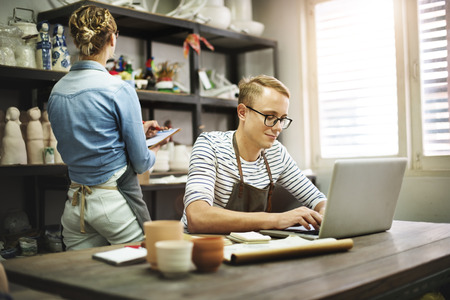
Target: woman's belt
(83, 189)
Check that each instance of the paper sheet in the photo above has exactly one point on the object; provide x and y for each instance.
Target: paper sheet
(122, 256)
(161, 136)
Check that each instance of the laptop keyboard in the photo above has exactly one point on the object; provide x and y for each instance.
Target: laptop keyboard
(308, 232)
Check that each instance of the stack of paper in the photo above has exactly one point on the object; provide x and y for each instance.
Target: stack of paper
(250, 237)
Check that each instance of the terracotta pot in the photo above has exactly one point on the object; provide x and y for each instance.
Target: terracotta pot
(207, 253)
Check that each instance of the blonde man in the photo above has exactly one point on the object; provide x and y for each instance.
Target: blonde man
(232, 174)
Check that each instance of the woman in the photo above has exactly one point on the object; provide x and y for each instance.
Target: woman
(97, 121)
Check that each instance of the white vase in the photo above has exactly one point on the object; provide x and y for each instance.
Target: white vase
(240, 9)
(242, 17)
(217, 14)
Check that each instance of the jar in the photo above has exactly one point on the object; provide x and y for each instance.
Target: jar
(8, 43)
(16, 221)
(25, 55)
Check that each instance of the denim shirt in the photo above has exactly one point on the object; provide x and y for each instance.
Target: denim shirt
(97, 122)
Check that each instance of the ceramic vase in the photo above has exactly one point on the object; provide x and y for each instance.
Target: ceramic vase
(207, 254)
(242, 17)
(43, 47)
(218, 15)
(60, 54)
(25, 55)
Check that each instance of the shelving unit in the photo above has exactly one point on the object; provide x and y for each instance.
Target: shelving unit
(35, 85)
(173, 31)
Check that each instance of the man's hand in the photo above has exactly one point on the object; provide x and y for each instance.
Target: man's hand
(301, 215)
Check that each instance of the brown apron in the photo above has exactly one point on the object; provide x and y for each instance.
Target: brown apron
(245, 197)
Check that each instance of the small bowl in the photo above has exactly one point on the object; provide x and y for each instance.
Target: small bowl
(141, 84)
(207, 253)
(251, 27)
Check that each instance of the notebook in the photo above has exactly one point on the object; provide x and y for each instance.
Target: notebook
(161, 136)
(362, 199)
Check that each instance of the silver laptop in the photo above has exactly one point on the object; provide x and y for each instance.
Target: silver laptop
(362, 198)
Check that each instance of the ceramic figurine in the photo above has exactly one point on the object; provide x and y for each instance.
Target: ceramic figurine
(35, 137)
(43, 47)
(23, 124)
(49, 137)
(13, 145)
(149, 75)
(60, 54)
(2, 128)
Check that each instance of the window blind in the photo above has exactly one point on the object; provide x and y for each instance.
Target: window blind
(357, 85)
(433, 28)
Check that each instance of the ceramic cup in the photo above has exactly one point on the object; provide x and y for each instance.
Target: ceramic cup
(174, 257)
(160, 230)
(207, 254)
(28, 245)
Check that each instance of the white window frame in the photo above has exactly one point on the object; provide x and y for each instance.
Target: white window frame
(408, 92)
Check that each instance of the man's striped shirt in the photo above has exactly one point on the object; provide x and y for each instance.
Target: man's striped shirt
(213, 171)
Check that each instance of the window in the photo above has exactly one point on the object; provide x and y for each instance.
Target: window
(357, 86)
(379, 77)
(434, 77)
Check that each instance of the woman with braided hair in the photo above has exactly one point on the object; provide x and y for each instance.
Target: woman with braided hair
(97, 121)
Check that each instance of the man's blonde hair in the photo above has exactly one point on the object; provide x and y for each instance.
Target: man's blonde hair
(252, 88)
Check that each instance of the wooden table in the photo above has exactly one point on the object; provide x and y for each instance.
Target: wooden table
(403, 262)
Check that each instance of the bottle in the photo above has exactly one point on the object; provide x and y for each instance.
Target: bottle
(149, 75)
(43, 47)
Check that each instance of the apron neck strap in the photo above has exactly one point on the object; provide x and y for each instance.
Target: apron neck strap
(269, 197)
(241, 176)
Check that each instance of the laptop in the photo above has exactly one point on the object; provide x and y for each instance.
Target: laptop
(362, 199)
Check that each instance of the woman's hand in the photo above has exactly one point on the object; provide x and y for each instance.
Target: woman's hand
(151, 128)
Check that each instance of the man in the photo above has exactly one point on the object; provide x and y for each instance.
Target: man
(231, 174)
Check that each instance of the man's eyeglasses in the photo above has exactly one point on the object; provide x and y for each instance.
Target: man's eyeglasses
(271, 120)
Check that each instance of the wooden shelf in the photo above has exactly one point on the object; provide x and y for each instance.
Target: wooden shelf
(218, 102)
(33, 170)
(27, 78)
(164, 29)
(156, 97)
(33, 85)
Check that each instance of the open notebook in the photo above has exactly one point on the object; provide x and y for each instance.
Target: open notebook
(362, 198)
